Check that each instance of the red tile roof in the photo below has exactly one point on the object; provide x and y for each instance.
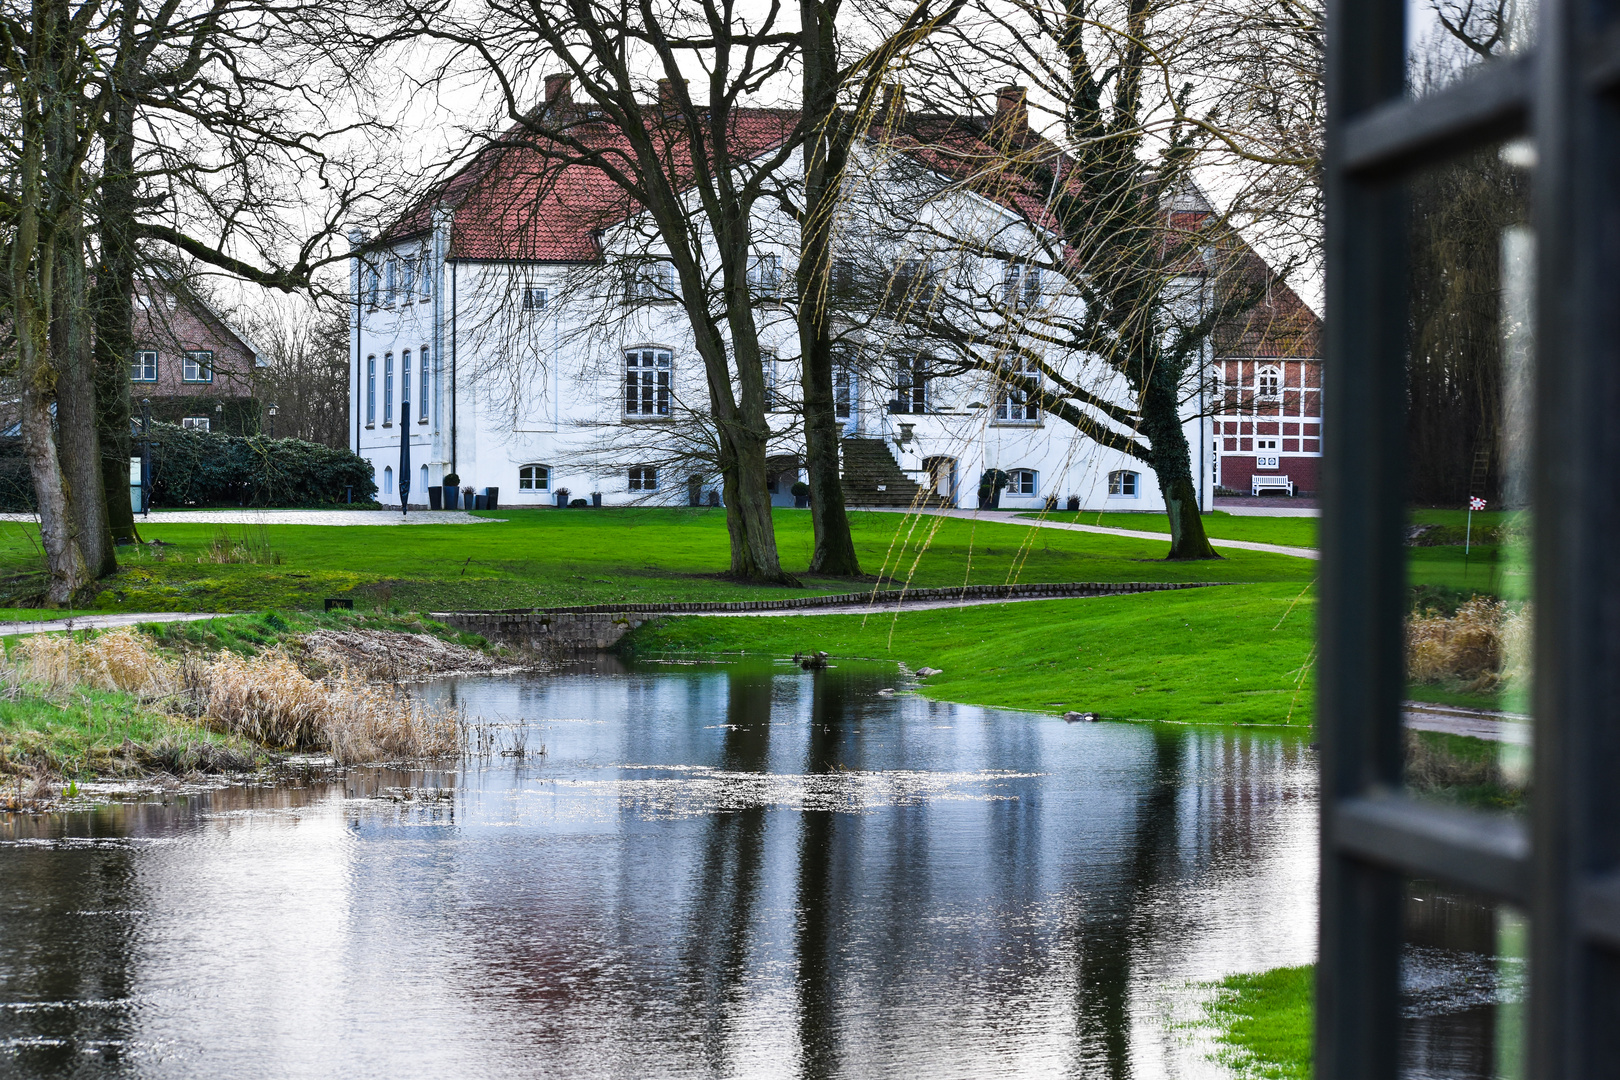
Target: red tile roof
(517, 201)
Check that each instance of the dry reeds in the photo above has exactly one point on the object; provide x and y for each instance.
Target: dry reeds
(1484, 644)
(266, 697)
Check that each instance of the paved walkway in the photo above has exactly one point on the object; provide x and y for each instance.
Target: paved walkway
(1001, 517)
(102, 622)
(295, 517)
(1491, 726)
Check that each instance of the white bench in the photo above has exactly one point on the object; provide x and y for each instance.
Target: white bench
(1271, 483)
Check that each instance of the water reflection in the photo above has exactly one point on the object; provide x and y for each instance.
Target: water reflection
(711, 872)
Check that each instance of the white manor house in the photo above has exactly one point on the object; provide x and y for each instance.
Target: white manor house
(523, 313)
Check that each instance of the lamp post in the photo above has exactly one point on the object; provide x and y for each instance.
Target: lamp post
(146, 457)
(272, 410)
(219, 416)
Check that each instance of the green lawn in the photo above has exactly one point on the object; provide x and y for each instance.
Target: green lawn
(551, 558)
(1239, 654)
(1290, 531)
(1263, 1023)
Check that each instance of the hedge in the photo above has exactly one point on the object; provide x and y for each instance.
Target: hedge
(208, 468)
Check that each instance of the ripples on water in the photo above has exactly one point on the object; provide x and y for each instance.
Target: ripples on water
(723, 871)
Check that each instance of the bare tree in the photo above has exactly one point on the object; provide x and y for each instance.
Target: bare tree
(307, 377)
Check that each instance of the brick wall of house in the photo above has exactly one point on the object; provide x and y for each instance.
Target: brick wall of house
(170, 327)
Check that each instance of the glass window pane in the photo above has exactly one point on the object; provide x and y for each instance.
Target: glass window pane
(1448, 41)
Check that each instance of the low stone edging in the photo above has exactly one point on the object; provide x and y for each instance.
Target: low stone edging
(600, 626)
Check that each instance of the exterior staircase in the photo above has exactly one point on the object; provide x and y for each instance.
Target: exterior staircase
(872, 478)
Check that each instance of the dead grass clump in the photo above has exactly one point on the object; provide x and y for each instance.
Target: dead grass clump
(1469, 646)
(373, 723)
(390, 655)
(117, 660)
(252, 547)
(265, 698)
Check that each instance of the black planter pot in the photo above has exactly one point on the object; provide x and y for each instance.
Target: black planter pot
(480, 502)
(562, 500)
(449, 496)
(435, 498)
(492, 498)
(596, 498)
(801, 502)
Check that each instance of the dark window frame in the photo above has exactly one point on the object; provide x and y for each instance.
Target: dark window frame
(189, 356)
(1561, 865)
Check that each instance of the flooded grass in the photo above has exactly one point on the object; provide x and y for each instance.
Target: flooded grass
(1263, 1023)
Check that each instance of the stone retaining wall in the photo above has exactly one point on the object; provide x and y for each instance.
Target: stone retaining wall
(598, 627)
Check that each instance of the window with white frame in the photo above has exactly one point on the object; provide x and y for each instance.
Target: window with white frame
(1023, 482)
(405, 379)
(422, 389)
(1014, 402)
(533, 299)
(194, 423)
(390, 280)
(534, 478)
(371, 389)
(1020, 285)
(644, 478)
(1268, 382)
(425, 276)
(775, 400)
(912, 283)
(650, 281)
(388, 389)
(843, 384)
(197, 365)
(144, 367)
(911, 385)
(765, 275)
(407, 284)
(647, 381)
(1123, 483)
(373, 283)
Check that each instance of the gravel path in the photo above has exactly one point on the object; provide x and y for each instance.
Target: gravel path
(296, 517)
(1137, 534)
(102, 622)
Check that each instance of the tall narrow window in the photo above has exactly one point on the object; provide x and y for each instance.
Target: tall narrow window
(426, 275)
(768, 365)
(391, 280)
(407, 269)
(843, 278)
(388, 480)
(1014, 402)
(371, 389)
(912, 385)
(646, 382)
(405, 378)
(422, 389)
(843, 387)
(765, 275)
(197, 365)
(388, 389)
(144, 367)
(373, 283)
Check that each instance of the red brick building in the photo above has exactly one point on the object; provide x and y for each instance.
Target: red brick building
(191, 364)
(1268, 427)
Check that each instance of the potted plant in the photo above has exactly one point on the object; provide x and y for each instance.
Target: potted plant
(450, 489)
(801, 494)
(1074, 502)
(562, 498)
(991, 485)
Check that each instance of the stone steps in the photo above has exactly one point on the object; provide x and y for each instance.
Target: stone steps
(871, 477)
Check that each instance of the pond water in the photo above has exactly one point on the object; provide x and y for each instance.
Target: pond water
(709, 871)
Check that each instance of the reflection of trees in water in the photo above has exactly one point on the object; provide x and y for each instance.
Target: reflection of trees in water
(80, 906)
(715, 954)
(819, 924)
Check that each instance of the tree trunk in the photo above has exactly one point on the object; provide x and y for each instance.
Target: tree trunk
(112, 305)
(78, 447)
(1172, 463)
(825, 156)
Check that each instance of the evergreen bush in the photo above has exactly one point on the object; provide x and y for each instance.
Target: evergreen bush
(205, 468)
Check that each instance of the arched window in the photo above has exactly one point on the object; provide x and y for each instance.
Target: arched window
(423, 475)
(1122, 483)
(1268, 383)
(388, 480)
(534, 478)
(646, 381)
(1023, 482)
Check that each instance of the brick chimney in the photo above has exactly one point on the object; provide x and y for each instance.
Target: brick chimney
(1012, 110)
(666, 94)
(894, 104)
(557, 89)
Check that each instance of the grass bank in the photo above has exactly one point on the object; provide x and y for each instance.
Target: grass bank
(553, 558)
(1263, 1023)
(1239, 654)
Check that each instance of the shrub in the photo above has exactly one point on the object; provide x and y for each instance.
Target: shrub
(800, 489)
(206, 468)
